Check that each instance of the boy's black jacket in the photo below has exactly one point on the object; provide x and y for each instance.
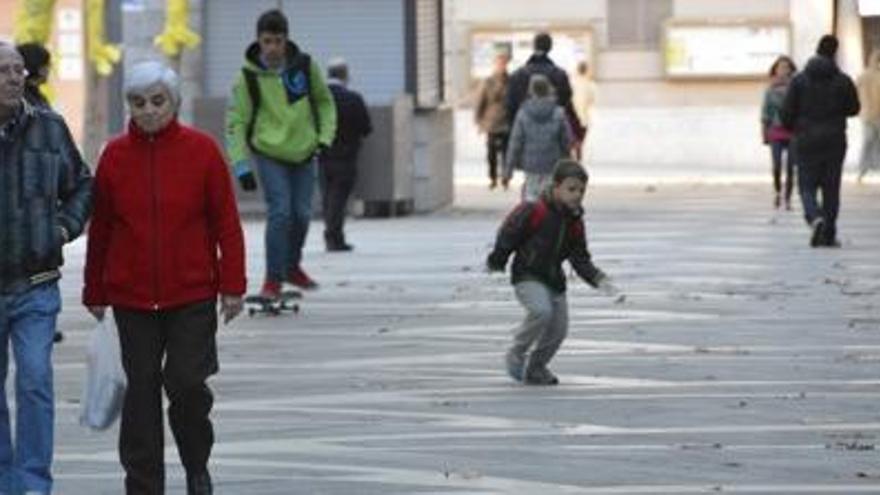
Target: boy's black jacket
(543, 235)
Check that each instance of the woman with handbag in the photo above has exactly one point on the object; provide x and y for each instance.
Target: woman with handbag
(164, 243)
(774, 133)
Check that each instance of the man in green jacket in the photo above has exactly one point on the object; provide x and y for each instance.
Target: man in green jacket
(280, 117)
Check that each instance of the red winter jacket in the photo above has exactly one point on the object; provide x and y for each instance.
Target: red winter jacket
(164, 207)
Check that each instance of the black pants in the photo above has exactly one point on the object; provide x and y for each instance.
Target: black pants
(496, 147)
(184, 338)
(337, 177)
(821, 172)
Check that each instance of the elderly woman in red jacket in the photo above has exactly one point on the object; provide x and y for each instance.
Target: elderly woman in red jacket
(164, 242)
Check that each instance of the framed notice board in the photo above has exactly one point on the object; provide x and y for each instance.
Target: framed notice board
(745, 50)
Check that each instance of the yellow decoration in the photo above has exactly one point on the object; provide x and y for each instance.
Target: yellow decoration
(103, 55)
(48, 92)
(33, 21)
(177, 35)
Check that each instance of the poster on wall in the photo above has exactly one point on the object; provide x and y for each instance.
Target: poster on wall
(869, 8)
(570, 47)
(711, 50)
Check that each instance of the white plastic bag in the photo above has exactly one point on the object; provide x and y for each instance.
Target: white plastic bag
(104, 389)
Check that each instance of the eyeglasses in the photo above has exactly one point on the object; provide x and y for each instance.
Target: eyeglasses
(17, 70)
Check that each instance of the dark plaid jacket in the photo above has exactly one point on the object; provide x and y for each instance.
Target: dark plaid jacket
(45, 196)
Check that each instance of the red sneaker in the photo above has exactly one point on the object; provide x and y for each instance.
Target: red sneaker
(301, 279)
(271, 290)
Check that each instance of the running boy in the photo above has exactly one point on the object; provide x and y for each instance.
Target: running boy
(545, 233)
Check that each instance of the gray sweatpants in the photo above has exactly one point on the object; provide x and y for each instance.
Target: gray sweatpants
(545, 325)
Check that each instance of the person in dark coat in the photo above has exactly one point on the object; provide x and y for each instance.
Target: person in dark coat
(45, 202)
(815, 108)
(540, 63)
(37, 62)
(338, 171)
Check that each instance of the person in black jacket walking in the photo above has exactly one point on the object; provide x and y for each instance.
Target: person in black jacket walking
(45, 201)
(540, 63)
(815, 108)
(338, 171)
(37, 61)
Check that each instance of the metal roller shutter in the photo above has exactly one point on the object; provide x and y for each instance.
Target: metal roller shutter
(369, 35)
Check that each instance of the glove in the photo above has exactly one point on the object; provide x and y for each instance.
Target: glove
(607, 288)
(248, 182)
(245, 176)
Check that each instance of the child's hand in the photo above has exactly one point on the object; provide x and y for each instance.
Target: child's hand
(607, 288)
(493, 265)
(494, 268)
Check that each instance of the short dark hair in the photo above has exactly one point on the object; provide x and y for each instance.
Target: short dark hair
(779, 60)
(272, 21)
(338, 71)
(567, 168)
(35, 57)
(543, 42)
(827, 46)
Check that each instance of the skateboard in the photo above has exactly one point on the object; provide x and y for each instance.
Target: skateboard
(257, 304)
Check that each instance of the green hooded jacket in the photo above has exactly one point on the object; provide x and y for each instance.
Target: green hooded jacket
(285, 128)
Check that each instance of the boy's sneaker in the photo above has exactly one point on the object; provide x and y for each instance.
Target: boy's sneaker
(515, 364)
(301, 279)
(271, 290)
(818, 237)
(541, 376)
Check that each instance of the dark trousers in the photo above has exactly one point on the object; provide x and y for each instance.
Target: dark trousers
(777, 149)
(821, 172)
(496, 148)
(184, 338)
(337, 177)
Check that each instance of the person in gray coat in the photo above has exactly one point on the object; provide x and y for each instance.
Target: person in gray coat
(540, 137)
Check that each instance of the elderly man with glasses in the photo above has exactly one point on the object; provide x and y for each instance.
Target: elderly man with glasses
(45, 200)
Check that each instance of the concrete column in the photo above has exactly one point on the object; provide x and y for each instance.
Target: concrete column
(849, 31)
(810, 20)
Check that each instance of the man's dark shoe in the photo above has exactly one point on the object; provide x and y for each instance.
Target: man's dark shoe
(818, 237)
(338, 248)
(831, 243)
(199, 484)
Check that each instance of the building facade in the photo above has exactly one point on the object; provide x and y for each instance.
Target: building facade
(673, 51)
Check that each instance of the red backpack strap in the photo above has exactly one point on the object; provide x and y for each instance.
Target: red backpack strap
(537, 215)
(576, 229)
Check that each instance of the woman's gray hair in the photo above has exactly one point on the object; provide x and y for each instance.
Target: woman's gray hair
(144, 75)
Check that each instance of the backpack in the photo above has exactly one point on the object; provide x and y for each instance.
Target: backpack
(539, 213)
(303, 61)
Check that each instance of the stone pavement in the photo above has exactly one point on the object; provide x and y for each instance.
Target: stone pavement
(739, 361)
